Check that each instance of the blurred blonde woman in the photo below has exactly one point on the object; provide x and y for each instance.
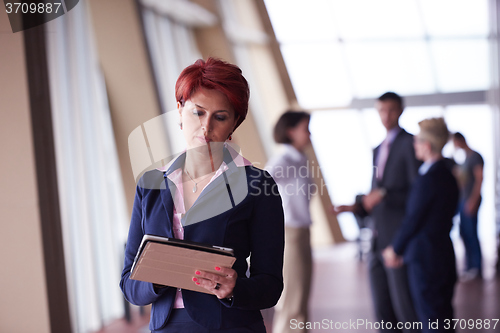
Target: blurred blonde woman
(423, 241)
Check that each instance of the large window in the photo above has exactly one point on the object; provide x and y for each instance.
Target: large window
(339, 51)
(93, 211)
(343, 140)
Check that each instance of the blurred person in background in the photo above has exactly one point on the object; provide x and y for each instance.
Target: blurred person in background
(210, 194)
(290, 170)
(470, 179)
(423, 242)
(395, 168)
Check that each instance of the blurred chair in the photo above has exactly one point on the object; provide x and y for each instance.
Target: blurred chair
(364, 240)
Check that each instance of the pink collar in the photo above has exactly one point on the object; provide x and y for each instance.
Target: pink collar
(238, 160)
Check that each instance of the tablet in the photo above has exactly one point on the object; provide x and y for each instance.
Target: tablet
(172, 262)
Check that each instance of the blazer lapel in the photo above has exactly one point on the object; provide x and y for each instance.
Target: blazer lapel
(167, 190)
(168, 204)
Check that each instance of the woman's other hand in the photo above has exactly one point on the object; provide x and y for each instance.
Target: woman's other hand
(221, 285)
(342, 209)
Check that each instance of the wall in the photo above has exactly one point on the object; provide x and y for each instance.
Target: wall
(24, 305)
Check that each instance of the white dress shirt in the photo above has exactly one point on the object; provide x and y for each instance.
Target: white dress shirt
(291, 172)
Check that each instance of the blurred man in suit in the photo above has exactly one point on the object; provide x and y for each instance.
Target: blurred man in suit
(395, 168)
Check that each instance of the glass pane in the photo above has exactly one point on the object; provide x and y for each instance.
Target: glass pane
(455, 17)
(402, 67)
(461, 64)
(475, 123)
(376, 132)
(368, 19)
(299, 20)
(340, 144)
(372, 127)
(318, 74)
(413, 115)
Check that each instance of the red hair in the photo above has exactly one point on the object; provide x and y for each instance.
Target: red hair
(218, 75)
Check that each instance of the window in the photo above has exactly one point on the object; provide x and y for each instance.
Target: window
(93, 210)
(338, 50)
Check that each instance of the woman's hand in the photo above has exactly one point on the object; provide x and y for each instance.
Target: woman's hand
(221, 286)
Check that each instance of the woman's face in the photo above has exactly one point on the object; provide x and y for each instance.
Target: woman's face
(300, 135)
(206, 117)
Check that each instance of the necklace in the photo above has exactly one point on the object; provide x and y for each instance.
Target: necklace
(195, 188)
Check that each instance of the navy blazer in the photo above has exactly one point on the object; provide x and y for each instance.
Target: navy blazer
(424, 240)
(252, 224)
(424, 236)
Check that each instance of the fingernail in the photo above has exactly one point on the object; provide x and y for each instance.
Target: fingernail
(217, 268)
(195, 279)
(197, 273)
(197, 283)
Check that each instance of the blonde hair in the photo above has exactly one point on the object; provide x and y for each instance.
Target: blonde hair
(435, 131)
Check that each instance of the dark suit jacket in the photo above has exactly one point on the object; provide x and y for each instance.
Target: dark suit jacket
(424, 236)
(424, 241)
(400, 170)
(252, 224)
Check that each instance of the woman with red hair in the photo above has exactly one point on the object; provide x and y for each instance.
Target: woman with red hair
(211, 194)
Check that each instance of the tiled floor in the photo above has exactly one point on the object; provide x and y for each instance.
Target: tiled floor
(340, 293)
